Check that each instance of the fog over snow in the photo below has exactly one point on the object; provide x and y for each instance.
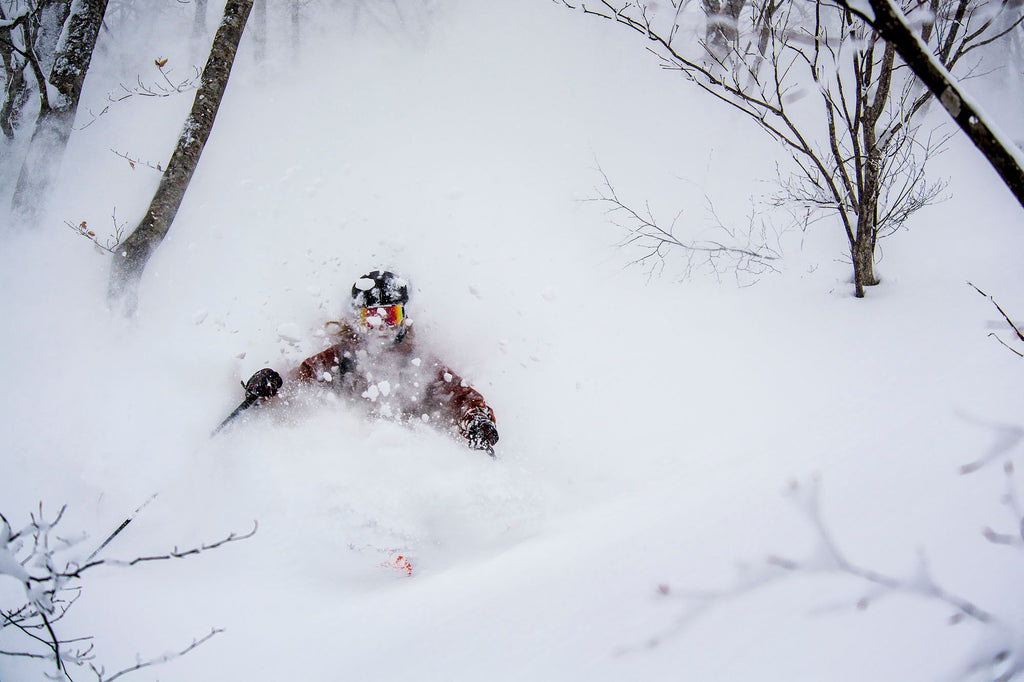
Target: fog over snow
(659, 435)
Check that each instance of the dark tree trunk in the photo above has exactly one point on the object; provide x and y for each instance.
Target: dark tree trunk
(16, 94)
(53, 126)
(867, 219)
(863, 253)
(869, 166)
(131, 256)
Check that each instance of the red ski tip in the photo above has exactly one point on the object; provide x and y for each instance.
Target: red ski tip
(400, 563)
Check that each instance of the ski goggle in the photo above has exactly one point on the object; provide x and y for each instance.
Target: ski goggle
(388, 316)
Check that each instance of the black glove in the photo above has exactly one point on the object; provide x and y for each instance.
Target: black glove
(482, 434)
(263, 384)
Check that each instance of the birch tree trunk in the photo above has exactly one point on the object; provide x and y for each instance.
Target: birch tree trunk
(57, 115)
(133, 253)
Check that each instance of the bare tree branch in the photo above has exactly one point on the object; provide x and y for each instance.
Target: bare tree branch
(156, 661)
(1013, 326)
(867, 167)
(654, 241)
(173, 554)
(890, 22)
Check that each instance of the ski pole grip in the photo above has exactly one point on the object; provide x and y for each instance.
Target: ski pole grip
(263, 384)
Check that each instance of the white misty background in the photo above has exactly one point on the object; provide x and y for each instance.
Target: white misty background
(650, 426)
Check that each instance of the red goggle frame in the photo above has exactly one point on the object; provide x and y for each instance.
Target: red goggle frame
(387, 315)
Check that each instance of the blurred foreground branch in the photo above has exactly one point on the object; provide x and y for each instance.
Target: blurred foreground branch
(46, 564)
(1000, 656)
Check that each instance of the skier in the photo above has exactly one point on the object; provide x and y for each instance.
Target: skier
(376, 360)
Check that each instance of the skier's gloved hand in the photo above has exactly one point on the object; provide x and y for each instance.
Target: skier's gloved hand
(263, 384)
(482, 434)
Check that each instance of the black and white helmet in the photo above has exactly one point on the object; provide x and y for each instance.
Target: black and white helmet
(380, 288)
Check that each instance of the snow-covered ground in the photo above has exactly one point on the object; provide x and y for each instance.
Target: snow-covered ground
(650, 428)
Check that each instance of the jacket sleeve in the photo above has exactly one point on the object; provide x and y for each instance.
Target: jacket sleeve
(319, 367)
(451, 395)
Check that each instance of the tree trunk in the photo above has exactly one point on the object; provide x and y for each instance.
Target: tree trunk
(714, 40)
(259, 11)
(51, 19)
(16, 94)
(863, 254)
(198, 41)
(14, 74)
(732, 9)
(131, 256)
(863, 248)
(199, 21)
(53, 126)
(869, 171)
(296, 28)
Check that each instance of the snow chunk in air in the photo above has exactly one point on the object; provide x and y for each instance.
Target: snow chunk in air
(289, 332)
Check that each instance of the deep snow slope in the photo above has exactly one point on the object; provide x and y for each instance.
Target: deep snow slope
(649, 427)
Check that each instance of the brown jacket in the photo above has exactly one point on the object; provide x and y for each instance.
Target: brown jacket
(396, 379)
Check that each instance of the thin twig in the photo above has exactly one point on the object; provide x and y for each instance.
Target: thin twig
(173, 554)
(1017, 331)
(156, 661)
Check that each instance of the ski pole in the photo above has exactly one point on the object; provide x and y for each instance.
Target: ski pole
(249, 401)
(124, 524)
